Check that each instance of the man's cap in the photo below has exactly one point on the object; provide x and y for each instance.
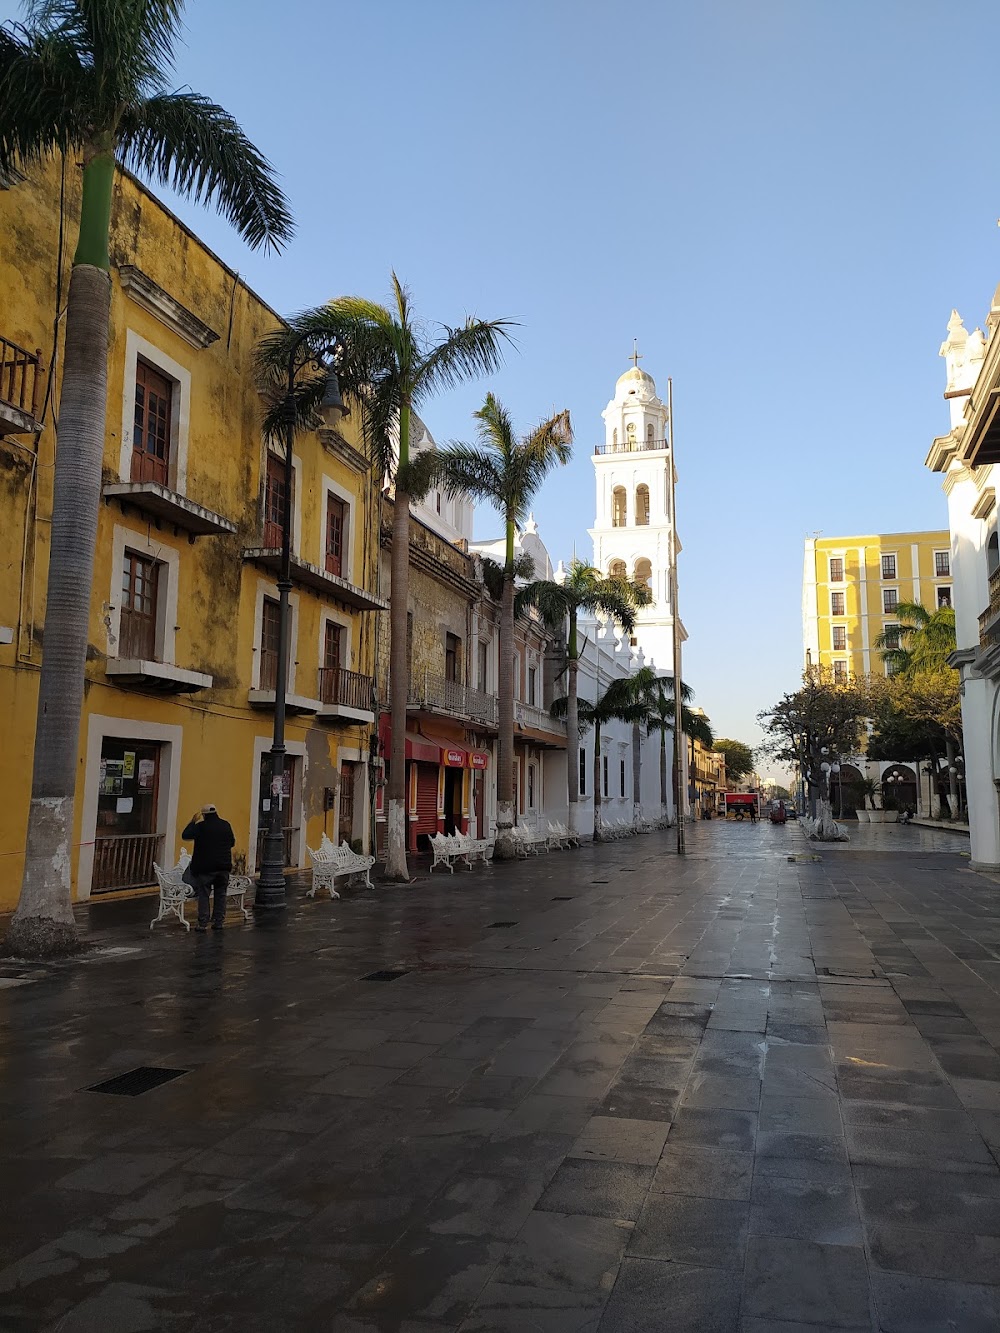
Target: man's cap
(208, 810)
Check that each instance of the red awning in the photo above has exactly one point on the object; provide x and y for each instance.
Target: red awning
(435, 749)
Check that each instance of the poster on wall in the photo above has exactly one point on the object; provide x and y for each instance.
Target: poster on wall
(111, 777)
(147, 771)
(128, 764)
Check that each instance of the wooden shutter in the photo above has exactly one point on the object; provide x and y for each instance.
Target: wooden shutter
(336, 514)
(137, 631)
(151, 425)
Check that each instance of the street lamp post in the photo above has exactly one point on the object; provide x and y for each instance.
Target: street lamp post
(270, 895)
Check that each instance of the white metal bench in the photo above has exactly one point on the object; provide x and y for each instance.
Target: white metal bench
(330, 861)
(559, 836)
(174, 893)
(474, 849)
(449, 848)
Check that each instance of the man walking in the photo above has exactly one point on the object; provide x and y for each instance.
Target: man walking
(211, 862)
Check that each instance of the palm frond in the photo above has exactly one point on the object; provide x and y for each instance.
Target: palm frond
(43, 97)
(419, 474)
(476, 348)
(468, 470)
(550, 600)
(186, 141)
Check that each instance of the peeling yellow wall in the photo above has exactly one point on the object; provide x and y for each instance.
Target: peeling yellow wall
(217, 598)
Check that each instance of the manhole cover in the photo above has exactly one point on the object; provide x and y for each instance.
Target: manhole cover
(386, 974)
(501, 925)
(135, 1082)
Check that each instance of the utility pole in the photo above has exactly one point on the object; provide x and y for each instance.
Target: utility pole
(676, 626)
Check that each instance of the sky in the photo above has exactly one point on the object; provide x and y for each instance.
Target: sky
(782, 200)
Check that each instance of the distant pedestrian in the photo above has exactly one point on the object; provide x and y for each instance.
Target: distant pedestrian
(211, 863)
(753, 813)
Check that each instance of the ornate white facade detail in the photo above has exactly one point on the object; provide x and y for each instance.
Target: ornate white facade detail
(633, 524)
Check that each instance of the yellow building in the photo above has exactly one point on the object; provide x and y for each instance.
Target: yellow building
(180, 674)
(852, 585)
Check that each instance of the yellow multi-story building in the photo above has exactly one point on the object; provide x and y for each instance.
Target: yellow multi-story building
(851, 587)
(179, 694)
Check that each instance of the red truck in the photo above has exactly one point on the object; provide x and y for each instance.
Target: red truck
(741, 803)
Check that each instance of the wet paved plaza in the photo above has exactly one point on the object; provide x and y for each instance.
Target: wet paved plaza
(602, 1090)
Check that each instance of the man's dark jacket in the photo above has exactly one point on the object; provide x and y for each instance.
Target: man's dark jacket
(213, 844)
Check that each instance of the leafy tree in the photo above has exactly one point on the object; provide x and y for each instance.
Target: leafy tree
(91, 80)
(824, 718)
(922, 641)
(390, 366)
(507, 472)
(624, 700)
(739, 758)
(584, 589)
(661, 717)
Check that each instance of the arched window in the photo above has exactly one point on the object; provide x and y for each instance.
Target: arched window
(992, 555)
(616, 570)
(649, 433)
(642, 505)
(644, 575)
(618, 504)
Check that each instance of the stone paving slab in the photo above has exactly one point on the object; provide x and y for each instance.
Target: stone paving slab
(732, 1093)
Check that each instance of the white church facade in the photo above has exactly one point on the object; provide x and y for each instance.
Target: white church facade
(633, 526)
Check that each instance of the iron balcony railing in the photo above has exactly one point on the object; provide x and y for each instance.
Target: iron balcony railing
(337, 685)
(450, 696)
(125, 861)
(989, 621)
(20, 377)
(631, 446)
(527, 715)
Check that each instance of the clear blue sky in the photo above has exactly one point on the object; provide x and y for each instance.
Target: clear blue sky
(782, 200)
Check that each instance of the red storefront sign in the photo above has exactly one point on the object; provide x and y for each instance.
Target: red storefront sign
(479, 759)
(452, 757)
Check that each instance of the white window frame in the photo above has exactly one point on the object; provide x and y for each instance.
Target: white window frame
(889, 610)
(840, 662)
(883, 576)
(831, 556)
(835, 647)
(838, 592)
(266, 589)
(334, 488)
(168, 563)
(947, 555)
(329, 616)
(137, 347)
(948, 588)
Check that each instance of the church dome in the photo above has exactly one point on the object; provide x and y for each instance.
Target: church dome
(635, 383)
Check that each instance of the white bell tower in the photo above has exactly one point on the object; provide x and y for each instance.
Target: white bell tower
(633, 524)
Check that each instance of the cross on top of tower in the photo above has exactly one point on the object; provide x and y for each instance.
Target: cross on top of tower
(636, 356)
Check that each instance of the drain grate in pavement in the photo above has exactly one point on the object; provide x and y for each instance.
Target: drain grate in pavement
(600, 881)
(134, 1082)
(563, 898)
(501, 925)
(386, 974)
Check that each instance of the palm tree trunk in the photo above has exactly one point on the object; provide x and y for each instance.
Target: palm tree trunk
(43, 922)
(949, 754)
(572, 733)
(504, 849)
(663, 774)
(636, 775)
(399, 668)
(598, 827)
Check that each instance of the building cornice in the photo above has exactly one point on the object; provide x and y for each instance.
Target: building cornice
(150, 296)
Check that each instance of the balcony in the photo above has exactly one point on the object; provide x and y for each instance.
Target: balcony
(329, 586)
(989, 621)
(164, 505)
(632, 447)
(20, 389)
(264, 695)
(436, 694)
(539, 725)
(346, 695)
(162, 677)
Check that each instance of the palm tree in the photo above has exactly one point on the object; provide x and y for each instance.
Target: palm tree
(507, 472)
(390, 366)
(921, 641)
(92, 78)
(660, 717)
(624, 700)
(584, 589)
